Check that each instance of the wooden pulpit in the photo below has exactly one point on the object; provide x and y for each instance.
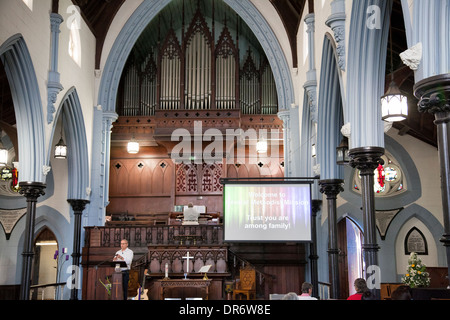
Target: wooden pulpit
(117, 286)
(117, 280)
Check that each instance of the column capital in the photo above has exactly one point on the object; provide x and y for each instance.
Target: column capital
(366, 159)
(55, 20)
(433, 94)
(32, 190)
(445, 240)
(78, 205)
(284, 115)
(331, 187)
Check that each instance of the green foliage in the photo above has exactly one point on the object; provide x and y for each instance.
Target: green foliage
(416, 274)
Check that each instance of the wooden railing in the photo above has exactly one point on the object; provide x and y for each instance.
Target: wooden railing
(144, 236)
(324, 290)
(52, 291)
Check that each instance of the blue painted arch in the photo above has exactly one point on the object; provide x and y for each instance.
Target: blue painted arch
(22, 79)
(330, 112)
(76, 141)
(150, 8)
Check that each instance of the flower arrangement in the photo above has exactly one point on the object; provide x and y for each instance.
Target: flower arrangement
(416, 274)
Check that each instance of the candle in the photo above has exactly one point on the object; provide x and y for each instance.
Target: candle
(167, 270)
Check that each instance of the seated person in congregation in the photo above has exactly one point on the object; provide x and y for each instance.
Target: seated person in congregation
(190, 215)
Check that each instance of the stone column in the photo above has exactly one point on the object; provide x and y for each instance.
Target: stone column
(285, 116)
(32, 191)
(434, 97)
(331, 188)
(367, 159)
(313, 257)
(54, 86)
(77, 207)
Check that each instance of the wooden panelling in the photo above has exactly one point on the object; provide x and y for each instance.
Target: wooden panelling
(286, 278)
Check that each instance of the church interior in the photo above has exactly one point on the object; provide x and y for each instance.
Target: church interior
(116, 116)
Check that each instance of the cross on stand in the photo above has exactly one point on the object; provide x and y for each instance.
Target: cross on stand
(187, 257)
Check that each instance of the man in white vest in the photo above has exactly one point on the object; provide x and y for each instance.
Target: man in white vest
(190, 215)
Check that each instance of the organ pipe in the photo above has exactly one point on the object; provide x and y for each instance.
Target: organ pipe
(199, 75)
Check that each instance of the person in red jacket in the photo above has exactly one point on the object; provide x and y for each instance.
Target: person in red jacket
(362, 292)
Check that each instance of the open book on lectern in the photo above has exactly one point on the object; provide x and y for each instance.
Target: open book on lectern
(204, 269)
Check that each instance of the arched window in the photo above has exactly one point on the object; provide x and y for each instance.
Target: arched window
(75, 42)
(388, 179)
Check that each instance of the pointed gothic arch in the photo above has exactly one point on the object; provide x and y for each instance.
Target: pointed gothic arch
(75, 133)
(330, 112)
(148, 10)
(27, 106)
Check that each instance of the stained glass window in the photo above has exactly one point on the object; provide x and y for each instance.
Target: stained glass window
(388, 178)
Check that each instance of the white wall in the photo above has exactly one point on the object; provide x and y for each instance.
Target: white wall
(430, 260)
(426, 160)
(34, 26)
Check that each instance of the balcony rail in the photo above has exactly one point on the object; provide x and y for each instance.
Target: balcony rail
(144, 236)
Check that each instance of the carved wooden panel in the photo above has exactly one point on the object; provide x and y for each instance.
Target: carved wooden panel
(158, 257)
(199, 179)
(211, 174)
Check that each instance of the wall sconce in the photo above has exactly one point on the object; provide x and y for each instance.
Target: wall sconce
(342, 157)
(261, 146)
(133, 146)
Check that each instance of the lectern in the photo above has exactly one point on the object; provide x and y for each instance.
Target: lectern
(117, 280)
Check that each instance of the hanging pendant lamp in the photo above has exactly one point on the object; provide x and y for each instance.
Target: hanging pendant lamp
(61, 150)
(394, 105)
